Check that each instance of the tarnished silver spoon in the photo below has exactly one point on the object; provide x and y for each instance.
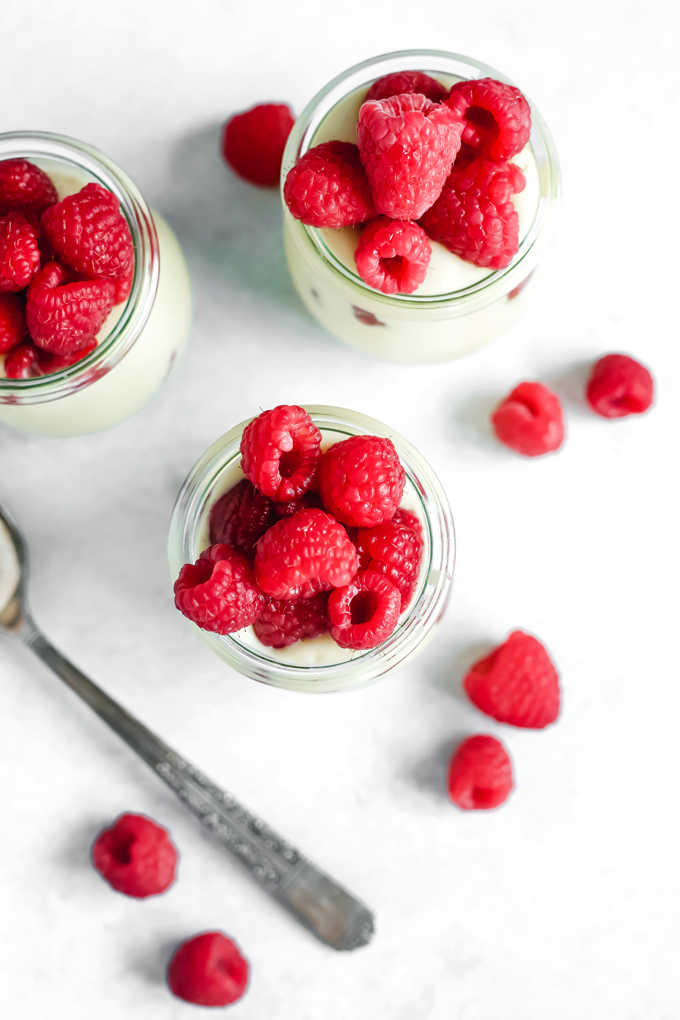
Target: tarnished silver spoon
(316, 900)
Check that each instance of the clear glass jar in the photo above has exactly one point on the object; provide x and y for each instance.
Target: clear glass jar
(219, 469)
(142, 347)
(419, 328)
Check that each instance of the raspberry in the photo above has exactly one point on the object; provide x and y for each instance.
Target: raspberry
(409, 520)
(19, 255)
(408, 145)
(123, 284)
(529, 420)
(28, 361)
(328, 187)
(395, 552)
(208, 970)
(517, 683)
(361, 481)
(283, 622)
(135, 856)
(474, 217)
(497, 117)
(280, 450)
(618, 386)
(62, 312)
(365, 612)
(12, 322)
(480, 774)
(304, 554)
(24, 188)
(218, 591)
(406, 81)
(392, 256)
(89, 234)
(253, 142)
(240, 517)
(308, 501)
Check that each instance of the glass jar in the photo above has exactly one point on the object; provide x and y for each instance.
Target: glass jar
(219, 469)
(433, 324)
(136, 356)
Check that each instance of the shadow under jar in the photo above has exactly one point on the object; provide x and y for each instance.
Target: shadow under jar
(318, 664)
(460, 307)
(143, 337)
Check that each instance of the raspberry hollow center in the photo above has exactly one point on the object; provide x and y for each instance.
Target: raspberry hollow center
(363, 606)
(122, 850)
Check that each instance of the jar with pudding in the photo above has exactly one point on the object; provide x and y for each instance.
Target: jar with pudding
(144, 333)
(459, 306)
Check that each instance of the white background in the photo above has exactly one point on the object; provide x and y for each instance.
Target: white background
(564, 903)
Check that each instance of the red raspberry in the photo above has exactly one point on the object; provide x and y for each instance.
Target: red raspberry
(283, 622)
(392, 255)
(12, 322)
(63, 312)
(123, 284)
(408, 145)
(497, 117)
(253, 142)
(280, 450)
(618, 386)
(328, 187)
(480, 774)
(308, 501)
(28, 361)
(474, 217)
(89, 234)
(19, 255)
(365, 612)
(361, 481)
(208, 970)
(395, 552)
(529, 420)
(218, 591)
(240, 517)
(24, 188)
(136, 856)
(406, 81)
(304, 554)
(517, 683)
(409, 520)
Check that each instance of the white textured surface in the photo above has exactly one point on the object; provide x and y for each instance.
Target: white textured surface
(565, 903)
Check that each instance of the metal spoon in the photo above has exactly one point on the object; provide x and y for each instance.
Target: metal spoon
(316, 900)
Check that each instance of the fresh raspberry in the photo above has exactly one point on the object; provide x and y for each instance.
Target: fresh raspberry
(89, 234)
(408, 145)
(136, 856)
(280, 450)
(208, 970)
(123, 284)
(409, 520)
(361, 480)
(308, 501)
(480, 774)
(240, 517)
(618, 386)
(530, 420)
(253, 142)
(19, 255)
(364, 612)
(63, 312)
(24, 188)
(12, 322)
(283, 622)
(517, 683)
(304, 554)
(474, 217)
(497, 117)
(393, 255)
(401, 82)
(28, 361)
(395, 552)
(218, 591)
(328, 187)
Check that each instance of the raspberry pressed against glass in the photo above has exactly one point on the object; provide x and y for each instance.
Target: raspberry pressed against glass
(409, 520)
(282, 622)
(395, 551)
(530, 420)
(135, 856)
(63, 312)
(253, 142)
(328, 187)
(365, 612)
(240, 517)
(407, 81)
(19, 255)
(361, 480)
(304, 554)
(28, 361)
(393, 255)
(281, 449)
(218, 592)
(12, 322)
(497, 117)
(89, 234)
(618, 386)
(208, 970)
(24, 188)
(480, 774)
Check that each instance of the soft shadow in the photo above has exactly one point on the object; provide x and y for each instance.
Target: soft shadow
(472, 420)
(75, 853)
(152, 965)
(570, 384)
(430, 774)
(449, 669)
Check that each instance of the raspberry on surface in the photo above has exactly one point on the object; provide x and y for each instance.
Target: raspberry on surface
(530, 420)
(283, 622)
(218, 592)
(407, 144)
(474, 217)
(12, 322)
(618, 386)
(240, 517)
(304, 554)
(328, 187)
(24, 188)
(480, 774)
(136, 856)
(393, 255)
(361, 481)
(208, 970)
(497, 117)
(19, 255)
(401, 82)
(280, 450)
(516, 684)
(396, 552)
(253, 142)
(89, 234)
(364, 612)
(63, 312)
